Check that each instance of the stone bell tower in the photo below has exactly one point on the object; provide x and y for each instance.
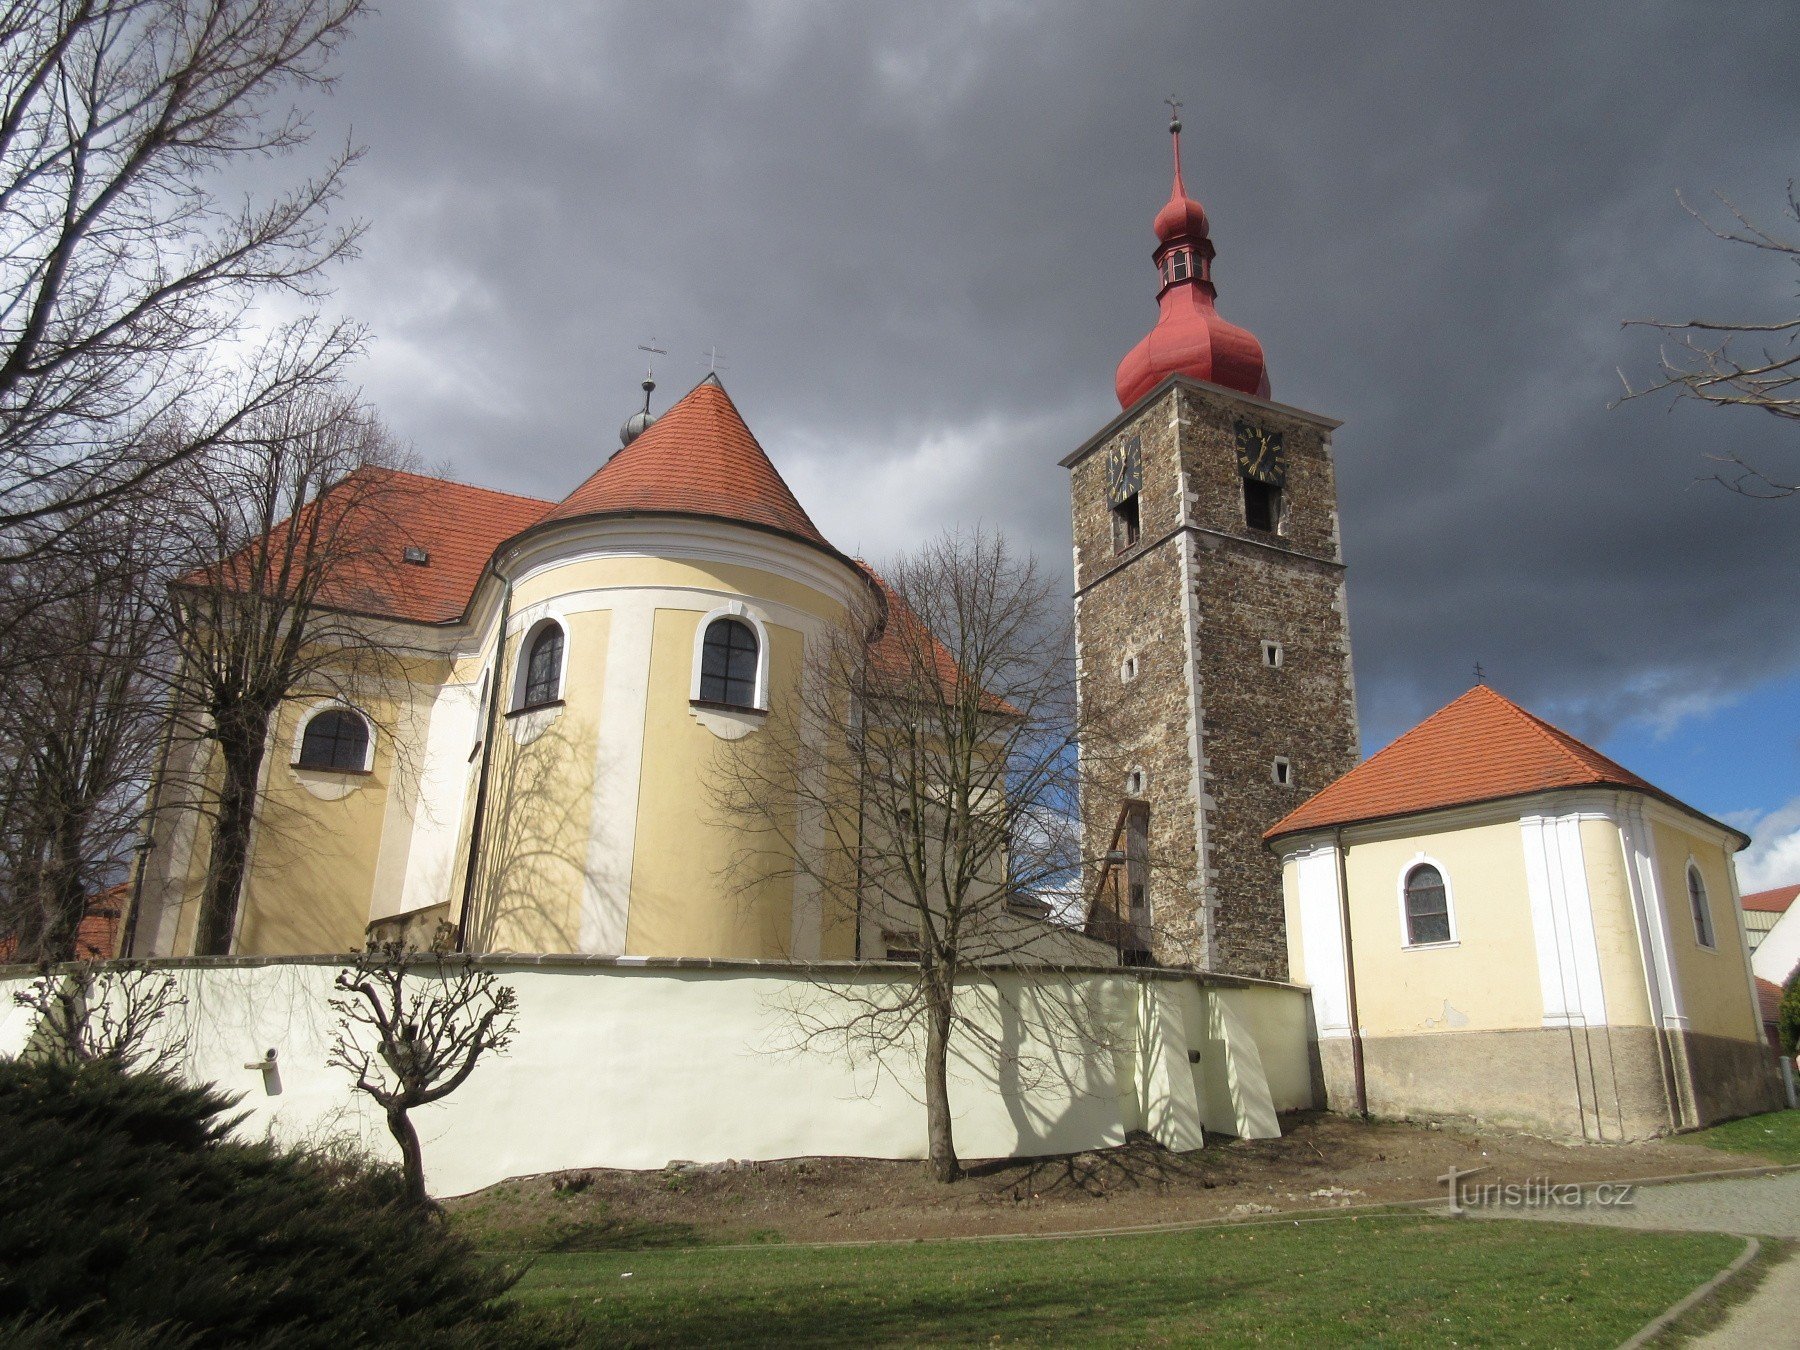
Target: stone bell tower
(1210, 624)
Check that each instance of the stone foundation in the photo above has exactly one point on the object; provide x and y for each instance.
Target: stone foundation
(1598, 1083)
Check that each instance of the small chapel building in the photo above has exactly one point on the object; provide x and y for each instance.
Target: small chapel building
(1500, 923)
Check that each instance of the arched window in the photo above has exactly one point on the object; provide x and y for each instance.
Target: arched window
(336, 739)
(1703, 925)
(543, 668)
(728, 664)
(1427, 907)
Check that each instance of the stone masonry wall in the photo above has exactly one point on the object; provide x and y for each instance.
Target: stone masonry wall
(1137, 613)
(1215, 890)
(1254, 587)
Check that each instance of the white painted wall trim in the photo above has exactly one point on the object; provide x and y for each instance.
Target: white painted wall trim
(618, 766)
(1562, 921)
(521, 674)
(1322, 940)
(1639, 838)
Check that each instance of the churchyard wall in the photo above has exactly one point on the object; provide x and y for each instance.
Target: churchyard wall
(627, 1063)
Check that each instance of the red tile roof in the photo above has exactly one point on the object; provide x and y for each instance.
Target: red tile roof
(97, 935)
(1482, 747)
(1768, 999)
(457, 525)
(1772, 902)
(697, 459)
(906, 648)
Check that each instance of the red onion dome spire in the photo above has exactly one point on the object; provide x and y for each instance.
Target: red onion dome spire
(1189, 338)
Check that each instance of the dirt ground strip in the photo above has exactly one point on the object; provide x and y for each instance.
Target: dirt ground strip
(1320, 1161)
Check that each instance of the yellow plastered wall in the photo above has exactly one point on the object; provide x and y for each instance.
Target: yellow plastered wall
(688, 895)
(1715, 988)
(1620, 947)
(534, 863)
(1489, 979)
(314, 849)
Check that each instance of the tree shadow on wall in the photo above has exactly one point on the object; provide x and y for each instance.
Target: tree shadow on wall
(532, 872)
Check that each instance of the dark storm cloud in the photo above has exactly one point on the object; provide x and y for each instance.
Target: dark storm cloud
(920, 235)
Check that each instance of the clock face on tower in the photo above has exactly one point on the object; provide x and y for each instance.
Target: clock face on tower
(1260, 455)
(1124, 470)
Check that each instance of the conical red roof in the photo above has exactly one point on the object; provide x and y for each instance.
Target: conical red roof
(697, 459)
(1480, 748)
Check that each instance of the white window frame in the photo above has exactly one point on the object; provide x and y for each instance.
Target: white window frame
(1419, 860)
(733, 609)
(1689, 876)
(327, 705)
(522, 665)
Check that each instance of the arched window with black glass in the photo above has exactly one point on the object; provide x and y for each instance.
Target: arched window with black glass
(1427, 907)
(728, 660)
(337, 740)
(543, 668)
(1703, 924)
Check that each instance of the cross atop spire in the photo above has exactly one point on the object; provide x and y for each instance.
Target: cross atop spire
(1175, 135)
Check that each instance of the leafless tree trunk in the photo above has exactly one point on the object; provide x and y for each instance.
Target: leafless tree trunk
(130, 258)
(1709, 363)
(923, 783)
(412, 1026)
(298, 523)
(84, 671)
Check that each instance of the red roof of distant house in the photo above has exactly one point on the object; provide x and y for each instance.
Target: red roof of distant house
(1482, 747)
(97, 935)
(1772, 902)
(1768, 998)
(697, 459)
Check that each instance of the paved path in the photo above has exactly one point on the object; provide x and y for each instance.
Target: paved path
(1768, 1317)
(1766, 1206)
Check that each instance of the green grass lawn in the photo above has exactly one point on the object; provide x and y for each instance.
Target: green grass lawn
(1775, 1136)
(1400, 1280)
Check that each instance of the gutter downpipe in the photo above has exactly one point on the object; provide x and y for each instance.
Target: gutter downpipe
(481, 778)
(1356, 1040)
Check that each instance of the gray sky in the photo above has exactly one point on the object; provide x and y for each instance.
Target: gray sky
(919, 234)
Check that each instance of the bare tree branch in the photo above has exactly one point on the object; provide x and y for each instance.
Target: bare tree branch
(127, 270)
(1703, 367)
(412, 1026)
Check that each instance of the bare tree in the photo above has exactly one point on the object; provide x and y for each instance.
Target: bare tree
(130, 257)
(85, 663)
(299, 524)
(922, 783)
(1709, 362)
(94, 1014)
(412, 1026)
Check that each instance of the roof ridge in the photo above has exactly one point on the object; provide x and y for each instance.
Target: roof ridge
(1568, 745)
(463, 483)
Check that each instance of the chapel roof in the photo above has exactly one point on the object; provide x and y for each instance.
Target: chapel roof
(1772, 902)
(1482, 747)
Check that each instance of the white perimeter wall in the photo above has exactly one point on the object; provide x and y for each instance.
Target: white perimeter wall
(634, 1066)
